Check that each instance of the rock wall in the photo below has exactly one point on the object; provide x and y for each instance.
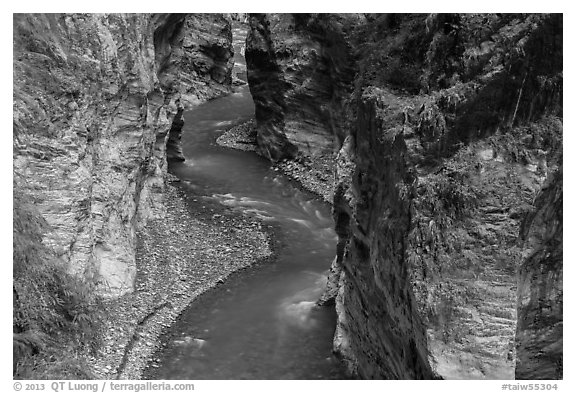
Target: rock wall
(446, 126)
(539, 335)
(94, 100)
(194, 54)
(298, 71)
(379, 332)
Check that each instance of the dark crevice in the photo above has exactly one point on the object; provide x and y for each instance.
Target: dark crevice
(174, 143)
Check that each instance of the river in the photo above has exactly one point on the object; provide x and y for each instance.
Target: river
(263, 322)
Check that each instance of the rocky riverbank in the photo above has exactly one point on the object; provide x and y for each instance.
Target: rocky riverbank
(193, 249)
(442, 151)
(313, 173)
(240, 137)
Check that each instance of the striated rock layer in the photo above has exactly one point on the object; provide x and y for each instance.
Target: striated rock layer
(539, 335)
(298, 71)
(94, 100)
(379, 332)
(446, 126)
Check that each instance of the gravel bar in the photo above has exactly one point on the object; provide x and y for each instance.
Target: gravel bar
(190, 251)
(313, 173)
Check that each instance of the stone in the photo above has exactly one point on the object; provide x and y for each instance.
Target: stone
(294, 79)
(95, 96)
(539, 334)
(406, 124)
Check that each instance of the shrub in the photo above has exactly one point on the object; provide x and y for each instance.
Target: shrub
(55, 314)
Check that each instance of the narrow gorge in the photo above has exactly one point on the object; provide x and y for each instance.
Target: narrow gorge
(288, 196)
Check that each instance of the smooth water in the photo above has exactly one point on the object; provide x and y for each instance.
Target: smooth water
(262, 323)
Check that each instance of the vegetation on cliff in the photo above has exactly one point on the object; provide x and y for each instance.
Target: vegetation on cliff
(56, 314)
(93, 100)
(479, 100)
(473, 106)
(444, 128)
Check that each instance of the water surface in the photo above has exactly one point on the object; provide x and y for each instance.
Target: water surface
(262, 323)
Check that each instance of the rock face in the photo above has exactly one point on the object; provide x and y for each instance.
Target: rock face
(94, 99)
(298, 71)
(193, 54)
(379, 332)
(445, 134)
(539, 334)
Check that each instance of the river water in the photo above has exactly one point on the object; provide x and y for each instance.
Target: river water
(262, 323)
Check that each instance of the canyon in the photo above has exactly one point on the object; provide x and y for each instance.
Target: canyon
(96, 97)
(420, 138)
(436, 139)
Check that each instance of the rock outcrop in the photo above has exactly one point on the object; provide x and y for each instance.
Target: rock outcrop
(298, 71)
(442, 129)
(193, 54)
(379, 332)
(539, 334)
(446, 126)
(94, 99)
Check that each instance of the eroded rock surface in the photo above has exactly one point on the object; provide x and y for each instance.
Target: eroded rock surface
(539, 335)
(446, 126)
(298, 69)
(438, 130)
(94, 100)
(379, 332)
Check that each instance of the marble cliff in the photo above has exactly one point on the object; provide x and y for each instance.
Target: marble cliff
(95, 98)
(443, 129)
(440, 134)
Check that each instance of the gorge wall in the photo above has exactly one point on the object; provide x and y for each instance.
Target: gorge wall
(298, 71)
(445, 128)
(437, 132)
(540, 292)
(95, 98)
